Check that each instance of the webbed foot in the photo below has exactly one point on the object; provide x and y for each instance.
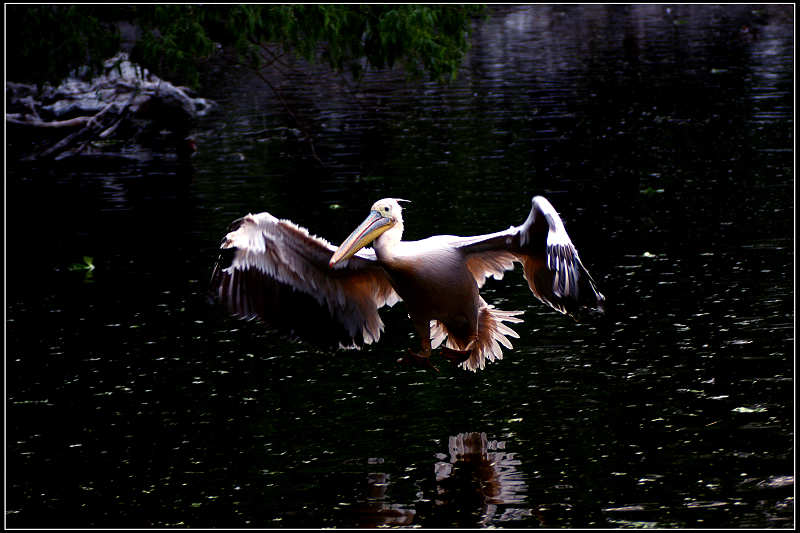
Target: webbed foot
(456, 356)
(417, 360)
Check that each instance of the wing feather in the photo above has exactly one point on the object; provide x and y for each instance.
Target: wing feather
(550, 261)
(273, 259)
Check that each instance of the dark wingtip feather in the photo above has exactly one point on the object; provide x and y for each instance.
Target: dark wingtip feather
(590, 303)
(224, 260)
(236, 224)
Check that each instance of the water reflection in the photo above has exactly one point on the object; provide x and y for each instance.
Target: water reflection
(479, 478)
(377, 509)
(477, 483)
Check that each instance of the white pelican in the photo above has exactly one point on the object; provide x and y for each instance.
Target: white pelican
(438, 278)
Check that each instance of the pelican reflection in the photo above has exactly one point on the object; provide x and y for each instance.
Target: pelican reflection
(476, 483)
(479, 476)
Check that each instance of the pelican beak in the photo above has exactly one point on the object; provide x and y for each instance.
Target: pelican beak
(369, 230)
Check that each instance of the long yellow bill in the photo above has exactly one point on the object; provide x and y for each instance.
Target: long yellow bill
(365, 233)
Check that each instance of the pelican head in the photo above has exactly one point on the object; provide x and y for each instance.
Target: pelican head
(384, 215)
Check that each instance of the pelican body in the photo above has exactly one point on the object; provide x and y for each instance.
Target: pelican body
(438, 278)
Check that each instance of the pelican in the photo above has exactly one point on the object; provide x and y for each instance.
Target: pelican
(437, 278)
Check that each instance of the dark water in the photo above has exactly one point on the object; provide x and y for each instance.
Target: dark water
(664, 138)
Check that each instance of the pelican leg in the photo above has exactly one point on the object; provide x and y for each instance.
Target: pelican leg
(422, 358)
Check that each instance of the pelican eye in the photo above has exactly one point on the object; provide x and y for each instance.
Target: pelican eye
(386, 209)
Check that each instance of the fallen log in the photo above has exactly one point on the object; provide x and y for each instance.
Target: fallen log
(125, 103)
(25, 120)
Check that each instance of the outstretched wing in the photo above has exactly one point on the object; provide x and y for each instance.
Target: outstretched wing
(274, 260)
(551, 264)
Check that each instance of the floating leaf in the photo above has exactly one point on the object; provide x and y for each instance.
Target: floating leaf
(88, 264)
(651, 191)
(750, 410)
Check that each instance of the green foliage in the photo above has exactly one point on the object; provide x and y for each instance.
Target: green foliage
(47, 41)
(172, 41)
